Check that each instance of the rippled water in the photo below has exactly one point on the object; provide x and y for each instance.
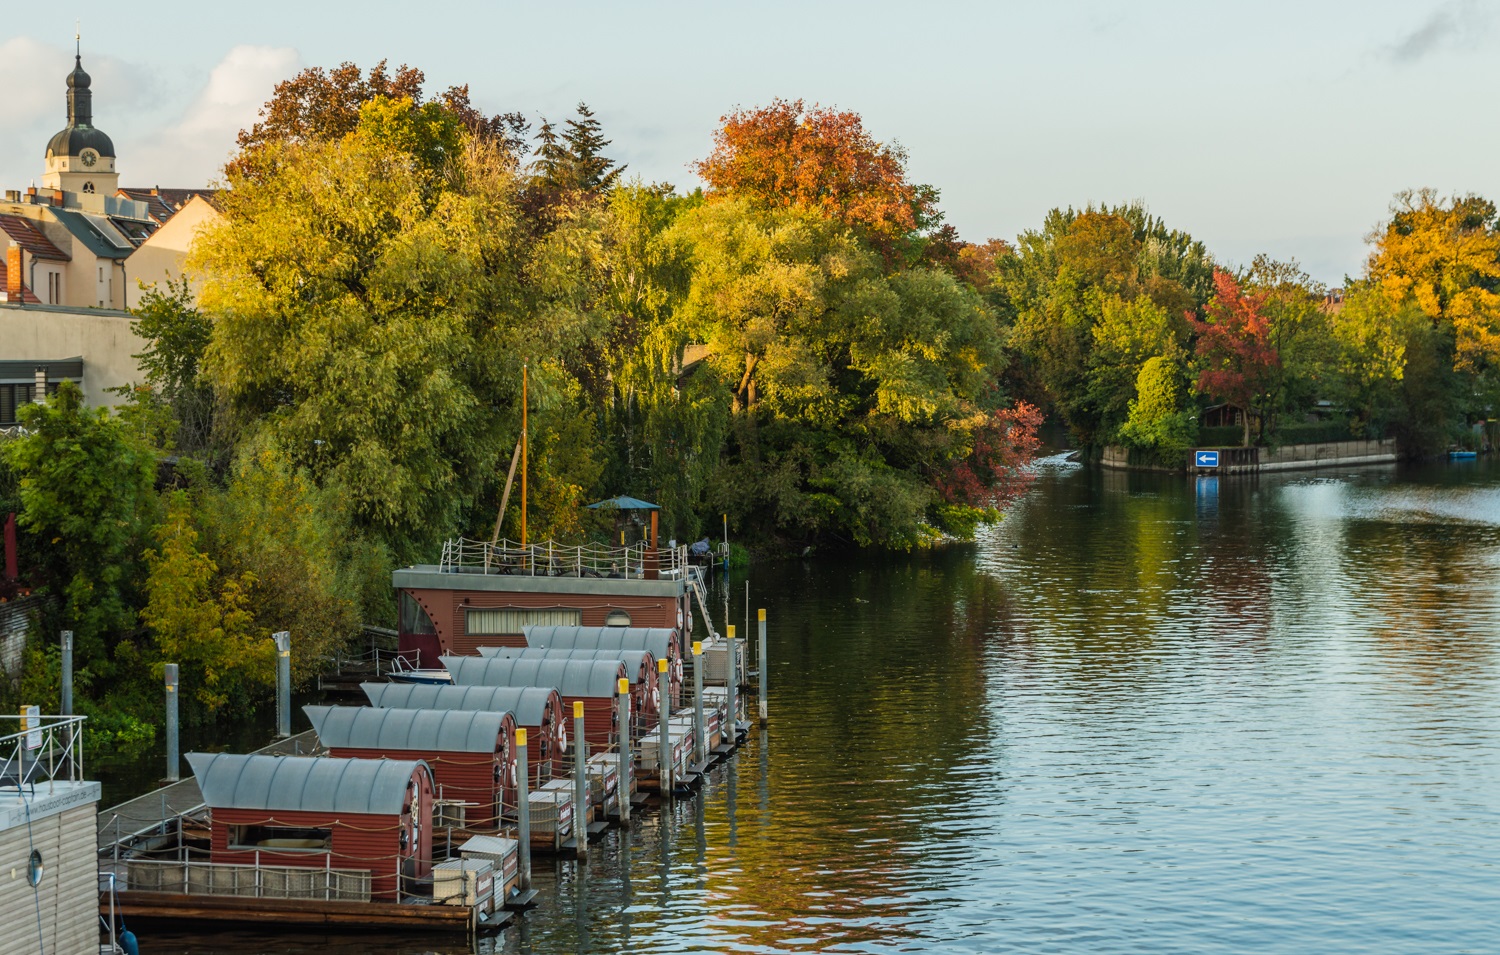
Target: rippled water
(1144, 715)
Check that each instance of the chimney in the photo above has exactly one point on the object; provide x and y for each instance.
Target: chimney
(40, 394)
(12, 195)
(57, 198)
(13, 275)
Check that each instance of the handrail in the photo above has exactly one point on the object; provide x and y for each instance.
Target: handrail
(552, 559)
(51, 751)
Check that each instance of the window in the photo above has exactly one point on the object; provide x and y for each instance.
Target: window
(280, 838)
(88, 187)
(414, 619)
(12, 397)
(617, 618)
(54, 288)
(505, 621)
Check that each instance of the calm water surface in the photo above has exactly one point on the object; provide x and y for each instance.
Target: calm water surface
(1143, 715)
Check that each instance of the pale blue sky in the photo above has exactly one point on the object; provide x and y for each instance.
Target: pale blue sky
(1271, 126)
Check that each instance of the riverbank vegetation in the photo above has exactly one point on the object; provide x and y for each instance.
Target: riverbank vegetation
(802, 347)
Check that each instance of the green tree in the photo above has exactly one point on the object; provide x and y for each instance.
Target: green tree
(370, 314)
(1158, 420)
(85, 486)
(200, 621)
(588, 169)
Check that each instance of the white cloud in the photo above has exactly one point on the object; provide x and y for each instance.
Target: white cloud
(192, 150)
(24, 65)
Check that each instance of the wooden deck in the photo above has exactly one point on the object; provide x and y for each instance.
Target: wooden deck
(351, 915)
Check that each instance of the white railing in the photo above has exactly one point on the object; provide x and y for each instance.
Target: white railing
(551, 559)
(251, 881)
(46, 749)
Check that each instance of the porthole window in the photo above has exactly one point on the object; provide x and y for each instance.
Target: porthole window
(617, 618)
(34, 869)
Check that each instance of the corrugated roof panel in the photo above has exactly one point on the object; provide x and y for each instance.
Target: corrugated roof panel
(303, 784)
(425, 730)
(636, 661)
(571, 677)
(528, 703)
(659, 640)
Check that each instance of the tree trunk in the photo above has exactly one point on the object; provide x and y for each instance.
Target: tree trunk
(744, 395)
(1245, 416)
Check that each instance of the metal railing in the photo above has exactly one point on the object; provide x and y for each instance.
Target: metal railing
(551, 559)
(47, 749)
(178, 877)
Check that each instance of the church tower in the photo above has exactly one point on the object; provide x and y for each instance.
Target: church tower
(81, 158)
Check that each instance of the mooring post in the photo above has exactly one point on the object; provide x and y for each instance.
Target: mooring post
(67, 673)
(623, 776)
(523, 810)
(170, 672)
(580, 782)
(283, 683)
(761, 665)
(664, 729)
(700, 749)
(733, 679)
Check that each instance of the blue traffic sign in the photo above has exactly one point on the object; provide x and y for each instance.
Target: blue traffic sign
(1206, 459)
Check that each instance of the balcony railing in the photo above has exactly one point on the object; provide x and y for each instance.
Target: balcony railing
(551, 559)
(43, 750)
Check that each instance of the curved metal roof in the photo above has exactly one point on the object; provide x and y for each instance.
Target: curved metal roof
(527, 703)
(571, 677)
(305, 784)
(447, 731)
(636, 661)
(659, 640)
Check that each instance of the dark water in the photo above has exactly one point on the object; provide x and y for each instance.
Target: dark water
(1145, 715)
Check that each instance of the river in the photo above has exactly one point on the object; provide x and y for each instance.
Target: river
(1145, 714)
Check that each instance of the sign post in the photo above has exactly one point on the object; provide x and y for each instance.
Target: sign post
(1205, 459)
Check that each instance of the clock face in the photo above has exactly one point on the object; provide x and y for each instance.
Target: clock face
(89, 157)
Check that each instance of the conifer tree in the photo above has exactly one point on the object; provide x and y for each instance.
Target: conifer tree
(590, 170)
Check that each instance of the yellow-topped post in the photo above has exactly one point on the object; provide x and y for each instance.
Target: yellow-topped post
(700, 729)
(733, 679)
(624, 785)
(664, 728)
(523, 810)
(580, 784)
(761, 664)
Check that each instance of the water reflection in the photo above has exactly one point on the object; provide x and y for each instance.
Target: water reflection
(1145, 714)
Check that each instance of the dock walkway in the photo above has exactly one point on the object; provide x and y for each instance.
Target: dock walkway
(133, 818)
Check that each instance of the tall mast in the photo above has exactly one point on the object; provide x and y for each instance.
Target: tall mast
(525, 441)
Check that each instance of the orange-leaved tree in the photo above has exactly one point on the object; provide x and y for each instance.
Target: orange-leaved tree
(789, 155)
(1234, 345)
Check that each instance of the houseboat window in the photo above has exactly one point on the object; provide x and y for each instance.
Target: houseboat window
(413, 618)
(503, 621)
(280, 838)
(617, 618)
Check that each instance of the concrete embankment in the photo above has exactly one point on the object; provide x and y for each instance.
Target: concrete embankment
(1290, 457)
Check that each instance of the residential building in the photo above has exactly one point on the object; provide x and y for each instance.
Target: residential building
(77, 251)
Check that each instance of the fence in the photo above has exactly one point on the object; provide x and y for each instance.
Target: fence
(48, 749)
(247, 881)
(551, 559)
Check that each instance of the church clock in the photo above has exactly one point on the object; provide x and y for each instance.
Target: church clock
(89, 157)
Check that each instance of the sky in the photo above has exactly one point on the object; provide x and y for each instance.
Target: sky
(1276, 127)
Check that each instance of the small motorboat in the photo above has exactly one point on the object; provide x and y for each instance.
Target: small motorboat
(1460, 455)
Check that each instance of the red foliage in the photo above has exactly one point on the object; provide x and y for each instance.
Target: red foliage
(785, 155)
(1235, 345)
(995, 473)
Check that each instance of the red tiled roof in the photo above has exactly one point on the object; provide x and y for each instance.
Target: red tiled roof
(163, 204)
(27, 296)
(30, 238)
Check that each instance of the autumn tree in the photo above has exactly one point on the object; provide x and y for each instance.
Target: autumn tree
(320, 105)
(1237, 360)
(369, 312)
(1444, 255)
(788, 155)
